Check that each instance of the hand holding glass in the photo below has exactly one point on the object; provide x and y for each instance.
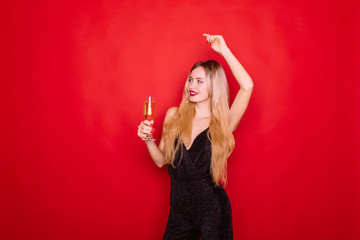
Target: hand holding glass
(149, 113)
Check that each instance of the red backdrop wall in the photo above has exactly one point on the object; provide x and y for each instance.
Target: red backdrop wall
(74, 78)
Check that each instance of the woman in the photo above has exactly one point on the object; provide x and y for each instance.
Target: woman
(197, 139)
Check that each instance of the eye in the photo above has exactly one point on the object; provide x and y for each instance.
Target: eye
(190, 80)
(199, 81)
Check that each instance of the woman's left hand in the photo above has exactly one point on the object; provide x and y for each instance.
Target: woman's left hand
(216, 42)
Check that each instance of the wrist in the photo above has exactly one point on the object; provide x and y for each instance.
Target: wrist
(225, 52)
(149, 142)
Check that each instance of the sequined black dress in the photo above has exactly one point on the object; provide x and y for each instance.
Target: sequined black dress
(197, 206)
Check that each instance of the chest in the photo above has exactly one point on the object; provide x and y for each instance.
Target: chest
(199, 126)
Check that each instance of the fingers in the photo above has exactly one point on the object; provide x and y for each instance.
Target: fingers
(211, 38)
(148, 123)
(208, 36)
(145, 128)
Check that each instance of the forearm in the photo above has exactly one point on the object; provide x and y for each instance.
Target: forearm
(155, 153)
(238, 70)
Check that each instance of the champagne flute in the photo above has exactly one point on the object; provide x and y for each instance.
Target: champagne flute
(149, 113)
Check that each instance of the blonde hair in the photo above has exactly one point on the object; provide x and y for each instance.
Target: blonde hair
(180, 125)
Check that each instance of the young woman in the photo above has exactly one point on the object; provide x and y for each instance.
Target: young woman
(196, 141)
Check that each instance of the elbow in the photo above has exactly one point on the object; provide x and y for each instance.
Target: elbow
(248, 88)
(160, 165)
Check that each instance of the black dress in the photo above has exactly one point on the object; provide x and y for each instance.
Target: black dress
(197, 206)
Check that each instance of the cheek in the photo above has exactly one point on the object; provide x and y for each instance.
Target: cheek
(205, 89)
(186, 86)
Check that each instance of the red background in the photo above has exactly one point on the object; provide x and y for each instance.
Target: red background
(73, 79)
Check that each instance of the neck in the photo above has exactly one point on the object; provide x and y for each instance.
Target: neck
(203, 109)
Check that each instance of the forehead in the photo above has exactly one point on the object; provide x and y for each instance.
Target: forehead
(198, 72)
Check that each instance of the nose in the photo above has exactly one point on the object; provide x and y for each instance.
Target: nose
(192, 84)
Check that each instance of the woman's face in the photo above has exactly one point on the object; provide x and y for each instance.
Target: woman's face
(198, 86)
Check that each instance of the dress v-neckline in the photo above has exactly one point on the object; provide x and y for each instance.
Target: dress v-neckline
(188, 149)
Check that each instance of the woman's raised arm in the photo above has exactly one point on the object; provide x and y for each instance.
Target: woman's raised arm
(242, 98)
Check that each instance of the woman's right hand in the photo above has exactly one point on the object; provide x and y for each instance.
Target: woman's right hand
(217, 43)
(145, 129)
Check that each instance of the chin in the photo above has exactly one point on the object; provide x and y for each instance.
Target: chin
(194, 99)
(197, 100)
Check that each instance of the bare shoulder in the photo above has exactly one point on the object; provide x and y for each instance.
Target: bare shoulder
(170, 113)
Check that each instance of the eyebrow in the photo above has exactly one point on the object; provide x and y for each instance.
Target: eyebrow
(197, 77)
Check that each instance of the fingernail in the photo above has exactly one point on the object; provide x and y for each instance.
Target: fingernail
(151, 124)
(147, 135)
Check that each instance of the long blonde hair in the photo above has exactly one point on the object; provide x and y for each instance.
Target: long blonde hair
(180, 126)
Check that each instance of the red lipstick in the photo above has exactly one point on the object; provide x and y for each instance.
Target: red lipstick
(193, 93)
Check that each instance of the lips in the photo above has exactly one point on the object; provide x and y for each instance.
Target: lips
(193, 93)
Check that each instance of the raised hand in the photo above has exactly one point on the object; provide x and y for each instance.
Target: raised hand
(216, 42)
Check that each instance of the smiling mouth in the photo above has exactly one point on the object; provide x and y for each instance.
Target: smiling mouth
(192, 93)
